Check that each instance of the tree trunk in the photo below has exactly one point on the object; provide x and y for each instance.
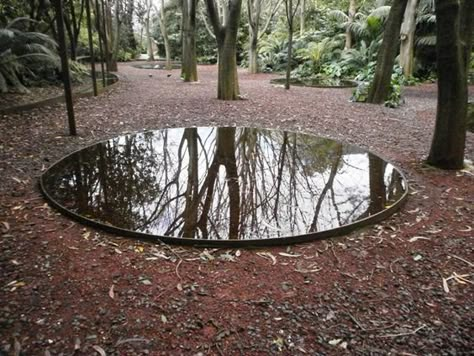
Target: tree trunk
(351, 15)
(228, 82)
(302, 16)
(164, 33)
(407, 38)
(116, 36)
(447, 147)
(380, 86)
(254, 9)
(253, 53)
(189, 62)
(148, 33)
(467, 30)
(226, 37)
(290, 53)
(111, 60)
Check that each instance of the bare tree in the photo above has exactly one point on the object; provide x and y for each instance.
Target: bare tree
(290, 17)
(225, 27)
(255, 8)
(189, 62)
(407, 38)
(380, 86)
(453, 36)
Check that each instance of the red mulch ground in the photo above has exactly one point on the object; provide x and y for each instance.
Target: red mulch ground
(67, 289)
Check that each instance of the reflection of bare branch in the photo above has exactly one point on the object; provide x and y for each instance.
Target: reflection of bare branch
(279, 175)
(327, 186)
(336, 206)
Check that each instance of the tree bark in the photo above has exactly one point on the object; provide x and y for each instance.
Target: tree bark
(290, 16)
(164, 33)
(380, 87)
(148, 33)
(447, 147)
(111, 60)
(226, 37)
(302, 16)
(189, 62)
(254, 8)
(116, 36)
(351, 15)
(407, 38)
(467, 30)
(290, 53)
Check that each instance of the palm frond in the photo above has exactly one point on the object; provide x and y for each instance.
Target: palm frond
(381, 12)
(426, 41)
(20, 19)
(338, 15)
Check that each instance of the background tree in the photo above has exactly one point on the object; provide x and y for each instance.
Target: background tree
(350, 19)
(380, 87)
(149, 39)
(188, 58)
(225, 29)
(290, 16)
(254, 11)
(407, 38)
(164, 33)
(453, 37)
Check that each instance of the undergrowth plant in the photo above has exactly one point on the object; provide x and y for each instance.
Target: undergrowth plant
(24, 56)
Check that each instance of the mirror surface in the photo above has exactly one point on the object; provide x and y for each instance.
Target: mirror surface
(223, 183)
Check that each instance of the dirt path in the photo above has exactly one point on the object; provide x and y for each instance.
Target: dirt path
(403, 287)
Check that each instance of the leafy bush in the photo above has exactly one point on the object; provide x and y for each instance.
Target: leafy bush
(365, 78)
(25, 57)
(470, 116)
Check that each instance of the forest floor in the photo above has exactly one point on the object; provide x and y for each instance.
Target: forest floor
(402, 287)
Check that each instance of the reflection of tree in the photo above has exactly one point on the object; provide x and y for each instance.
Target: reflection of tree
(326, 188)
(225, 183)
(377, 184)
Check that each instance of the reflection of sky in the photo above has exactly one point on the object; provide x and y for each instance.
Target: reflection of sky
(304, 176)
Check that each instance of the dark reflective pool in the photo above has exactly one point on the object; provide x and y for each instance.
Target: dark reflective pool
(157, 65)
(224, 184)
(318, 82)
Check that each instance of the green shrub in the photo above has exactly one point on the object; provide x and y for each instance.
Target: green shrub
(25, 57)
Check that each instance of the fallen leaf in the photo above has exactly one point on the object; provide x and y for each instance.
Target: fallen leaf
(179, 287)
(445, 285)
(335, 342)
(415, 238)
(77, 344)
(268, 255)
(206, 256)
(17, 180)
(111, 292)
(289, 254)
(417, 257)
(86, 235)
(146, 282)
(161, 255)
(164, 319)
(5, 227)
(99, 350)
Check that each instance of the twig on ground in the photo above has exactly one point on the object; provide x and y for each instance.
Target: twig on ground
(356, 321)
(393, 262)
(462, 259)
(405, 334)
(335, 256)
(176, 270)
